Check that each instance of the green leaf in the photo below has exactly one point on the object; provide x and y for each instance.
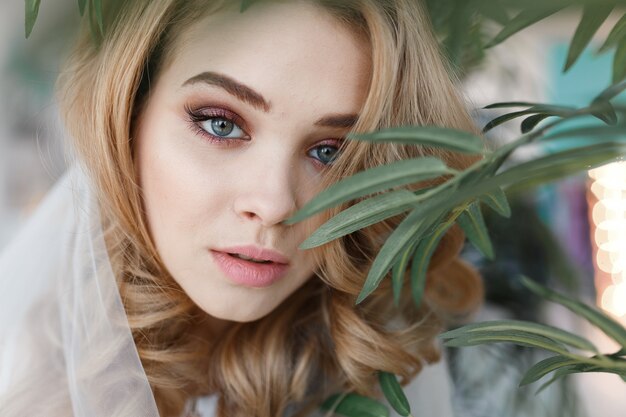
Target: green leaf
(354, 405)
(543, 109)
(554, 109)
(524, 19)
(604, 111)
(610, 92)
(492, 10)
(92, 21)
(461, 17)
(617, 34)
(398, 273)
(509, 336)
(611, 132)
(421, 260)
(558, 165)
(364, 213)
(541, 369)
(245, 4)
(81, 6)
(32, 11)
(531, 122)
(609, 326)
(498, 202)
(473, 224)
(398, 242)
(561, 372)
(505, 118)
(550, 332)
(373, 180)
(619, 63)
(540, 170)
(583, 368)
(577, 368)
(593, 16)
(507, 104)
(97, 5)
(439, 137)
(393, 393)
(474, 52)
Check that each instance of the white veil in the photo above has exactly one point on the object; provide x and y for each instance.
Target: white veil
(65, 344)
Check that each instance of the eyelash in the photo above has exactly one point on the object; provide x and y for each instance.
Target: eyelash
(198, 116)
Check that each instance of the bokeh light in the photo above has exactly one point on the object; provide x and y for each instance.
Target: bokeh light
(609, 233)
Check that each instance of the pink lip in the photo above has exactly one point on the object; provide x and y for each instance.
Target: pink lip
(248, 273)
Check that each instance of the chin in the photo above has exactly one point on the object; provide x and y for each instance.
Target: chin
(239, 315)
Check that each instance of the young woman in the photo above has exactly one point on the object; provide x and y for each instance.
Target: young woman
(160, 272)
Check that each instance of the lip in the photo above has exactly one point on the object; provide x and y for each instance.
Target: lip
(248, 273)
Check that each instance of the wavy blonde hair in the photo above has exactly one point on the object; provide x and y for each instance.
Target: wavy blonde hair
(317, 341)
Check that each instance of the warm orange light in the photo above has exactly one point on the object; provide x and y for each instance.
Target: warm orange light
(608, 215)
(614, 299)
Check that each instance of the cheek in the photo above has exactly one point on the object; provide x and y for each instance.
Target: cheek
(176, 192)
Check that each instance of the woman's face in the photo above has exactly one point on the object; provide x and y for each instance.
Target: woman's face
(238, 129)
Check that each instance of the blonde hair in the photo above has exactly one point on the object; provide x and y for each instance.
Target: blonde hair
(317, 341)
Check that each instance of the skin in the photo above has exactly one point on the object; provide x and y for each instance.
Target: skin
(202, 194)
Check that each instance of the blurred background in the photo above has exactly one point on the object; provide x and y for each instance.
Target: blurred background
(570, 234)
(31, 136)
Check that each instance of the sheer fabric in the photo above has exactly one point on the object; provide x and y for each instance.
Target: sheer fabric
(65, 345)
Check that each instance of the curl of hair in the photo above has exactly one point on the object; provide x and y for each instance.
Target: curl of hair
(317, 341)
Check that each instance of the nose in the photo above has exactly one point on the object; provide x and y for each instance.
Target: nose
(267, 192)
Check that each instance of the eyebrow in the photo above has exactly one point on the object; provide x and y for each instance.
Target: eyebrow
(338, 120)
(256, 100)
(237, 89)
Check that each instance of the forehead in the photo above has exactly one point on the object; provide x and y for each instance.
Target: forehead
(293, 46)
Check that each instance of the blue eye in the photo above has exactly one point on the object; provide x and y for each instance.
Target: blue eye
(222, 127)
(326, 154)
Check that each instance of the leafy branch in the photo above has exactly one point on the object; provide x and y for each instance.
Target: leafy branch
(414, 241)
(456, 200)
(354, 405)
(431, 212)
(466, 27)
(552, 339)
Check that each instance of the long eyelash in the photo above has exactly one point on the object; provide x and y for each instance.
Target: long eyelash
(195, 117)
